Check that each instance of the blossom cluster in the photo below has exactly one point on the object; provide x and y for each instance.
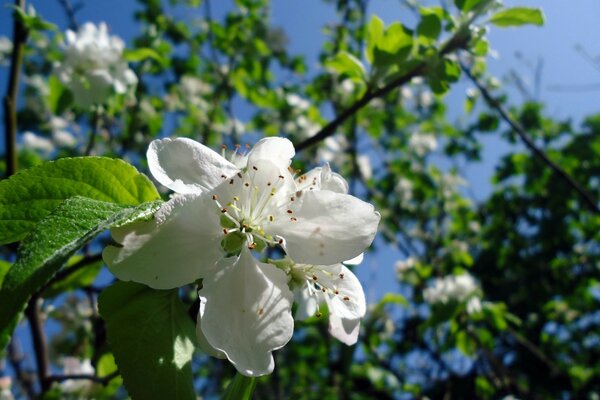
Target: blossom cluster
(224, 212)
(457, 288)
(93, 67)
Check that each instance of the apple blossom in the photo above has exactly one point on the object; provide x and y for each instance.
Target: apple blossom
(221, 211)
(458, 288)
(75, 366)
(93, 65)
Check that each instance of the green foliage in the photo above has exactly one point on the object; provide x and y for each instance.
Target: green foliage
(53, 240)
(4, 267)
(518, 16)
(152, 338)
(345, 64)
(468, 5)
(387, 46)
(30, 195)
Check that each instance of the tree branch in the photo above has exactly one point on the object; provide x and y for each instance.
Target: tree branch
(456, 42)
(10, 99)
(587, 197)
(65, 273)
(103, 380)
(40, 344)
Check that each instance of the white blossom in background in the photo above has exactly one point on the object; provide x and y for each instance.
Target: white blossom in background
(93, 66)
(403, 266)
(333, 150)
(5, 385)
(458, 288)
(222, 210)
(61, 135)
(38, 143)
(75, 366)
(231, 126)
(364, 166)
(5, 50)
(299, 124)
(295, 101)
(422, 143)
(193, 92)
(404, 189)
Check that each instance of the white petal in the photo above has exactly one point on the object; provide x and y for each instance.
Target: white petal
(307, 304)
(181, 244)
(356, 260)
(248, 314)
(328, 228)
(344, 330)
(275, 149)
(202, 342)
(350, 302)
(322, 178)
(186, 166)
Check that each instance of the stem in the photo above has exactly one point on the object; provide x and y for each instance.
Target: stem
(96, 125)
(10, 99)
(103, 380)
(240, 388)
(587, 197)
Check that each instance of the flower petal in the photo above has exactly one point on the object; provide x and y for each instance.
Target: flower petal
(186, 166)
(350, 302)
(202, 342)
(275, 149)
(248, 314)
(322, 178)
(306, 302)
(344, 330)
(181, 244)
(327, 228)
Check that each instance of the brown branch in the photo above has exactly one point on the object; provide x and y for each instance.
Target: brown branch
(40, 343)
(103, 380)
(65, 273)
(10, 99)
(587, 197)
(458, 41)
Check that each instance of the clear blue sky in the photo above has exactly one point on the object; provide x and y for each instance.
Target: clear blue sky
(566, 27)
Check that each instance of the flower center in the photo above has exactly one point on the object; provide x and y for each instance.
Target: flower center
(248, 202)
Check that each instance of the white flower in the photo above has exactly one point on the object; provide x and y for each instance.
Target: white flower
(35, 142)
(223, 209)
(75, 366)
(451, 288)
(425, 98)
(364, 166)
(5, 392)
(5, 49)
(296, 101)
(422, 143)
(60, 133)
(404, 265)
(404, 189)
(93, 66)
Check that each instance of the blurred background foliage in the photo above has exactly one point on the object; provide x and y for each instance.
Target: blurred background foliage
(526, 326)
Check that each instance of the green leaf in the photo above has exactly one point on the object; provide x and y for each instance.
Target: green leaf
(375, 31)
(240, 388)
(77, 221)
(59, 99)
(144, 53)
(4, 267)
(467, 5)
(431, 22)
(30, 195)
(152, 338)
(347, 64)
(444, 72)
(518, 16)
(394, 46)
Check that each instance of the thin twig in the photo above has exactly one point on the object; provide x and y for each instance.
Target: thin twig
(65, 273)
(16, 358)
(10, 99)
(587, 197)
(70, 12)
(103, 380)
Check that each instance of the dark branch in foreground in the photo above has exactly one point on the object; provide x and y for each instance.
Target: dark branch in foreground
(587, 197)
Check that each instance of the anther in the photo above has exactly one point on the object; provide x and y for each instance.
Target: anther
(271, 218)
(252, 246)
(231, 182)
(336, 291)
(346, 298)
(224, 176)
(293, 219)
(341, 276)
(268, 183)
(280, 241)
(214, 197)
(289, 211)
(237, 146)
(239, 174)
(318, 314)
(315, 278)
(224, 146)
(246, 184)
(280, 176)
(223, 210)
(254, 168)
(292, 198)
(225, 231)
(324, 290)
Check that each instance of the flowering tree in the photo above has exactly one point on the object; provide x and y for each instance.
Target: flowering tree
(242, 241)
